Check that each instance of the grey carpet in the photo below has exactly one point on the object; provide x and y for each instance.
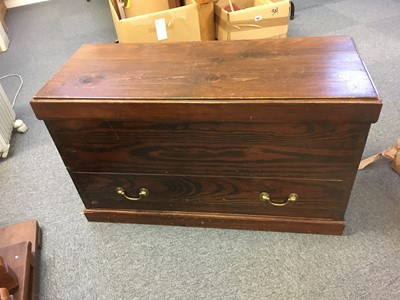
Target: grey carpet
(82, 260)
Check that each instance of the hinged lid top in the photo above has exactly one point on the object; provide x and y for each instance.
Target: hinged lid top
(273, 80)
(293, 68)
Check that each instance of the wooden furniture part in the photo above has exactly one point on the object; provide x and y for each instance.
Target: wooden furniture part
(8, 279)
(5, 295)
(262, 134)
(19, 244)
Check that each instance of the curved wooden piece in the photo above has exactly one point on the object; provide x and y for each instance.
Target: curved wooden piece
(8, 279)
(5, 295)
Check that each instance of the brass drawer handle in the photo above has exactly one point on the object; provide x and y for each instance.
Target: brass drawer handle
(143, 192)
(291, 198)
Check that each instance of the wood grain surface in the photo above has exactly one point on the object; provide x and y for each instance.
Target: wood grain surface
(232, 221)
(296, 150)
(249, 111)
(298, 79)
(317, 199)
(207, 126)
(20, 260)
(293, 68)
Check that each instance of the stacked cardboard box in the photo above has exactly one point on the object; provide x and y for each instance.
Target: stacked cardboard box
(196, 20)
(153, 21)
(251, 19)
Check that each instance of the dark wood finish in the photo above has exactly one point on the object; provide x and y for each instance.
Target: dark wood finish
(234, 221)
(206, 126)
(203, 110)
(296, 150)
(281, 69)
(24, 241)
(19, 258)
(8, 279)
(218, 79)
(25, 231)
(211, 194)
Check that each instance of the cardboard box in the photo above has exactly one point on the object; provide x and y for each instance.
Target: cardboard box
(4, 41)
(191, 22)
(205, 9)
(144, 7)
(256, 19)
(3, 10)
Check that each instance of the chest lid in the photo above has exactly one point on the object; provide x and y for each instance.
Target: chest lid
(259, 80)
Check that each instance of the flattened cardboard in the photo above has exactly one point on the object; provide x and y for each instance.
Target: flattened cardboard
(392, 153)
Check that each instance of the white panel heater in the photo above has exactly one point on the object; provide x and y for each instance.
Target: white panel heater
(7, 123)
(7, 119)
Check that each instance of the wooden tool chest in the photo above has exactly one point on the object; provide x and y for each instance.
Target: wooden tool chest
(261, 134)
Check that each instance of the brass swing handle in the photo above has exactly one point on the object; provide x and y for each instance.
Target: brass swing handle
(264, 196)
(143, 192)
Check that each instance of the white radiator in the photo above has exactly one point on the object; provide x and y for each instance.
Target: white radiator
(7, 123)
(7, 119)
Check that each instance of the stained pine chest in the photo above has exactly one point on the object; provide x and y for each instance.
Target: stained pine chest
(260, 134)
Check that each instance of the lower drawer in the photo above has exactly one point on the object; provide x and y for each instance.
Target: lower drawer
(256, 196)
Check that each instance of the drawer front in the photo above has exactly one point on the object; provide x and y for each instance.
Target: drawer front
(316, 199)
(294, 150)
